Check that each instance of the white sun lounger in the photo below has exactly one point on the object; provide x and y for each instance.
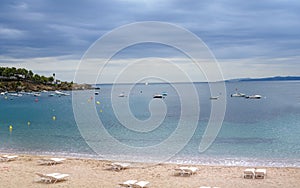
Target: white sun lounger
(7, 158)
(141, 184)
(51, 161)
(249, 173)
(119, 166)
(128, 183)
(260, 173)
(53, 177)
(182, 171)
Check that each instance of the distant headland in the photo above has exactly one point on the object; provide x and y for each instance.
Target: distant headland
(20, 79)
(275, 78)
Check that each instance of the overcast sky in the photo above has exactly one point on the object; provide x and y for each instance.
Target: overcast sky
(254, 38)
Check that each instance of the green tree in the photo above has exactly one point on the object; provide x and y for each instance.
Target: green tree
(29, 75)
(1, 71)
(44, 79)
(22, 72)
(6, 72)
(51, 79)
(13, 71)
(37, 78)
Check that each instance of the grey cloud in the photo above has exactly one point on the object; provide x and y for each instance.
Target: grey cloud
(232, 29)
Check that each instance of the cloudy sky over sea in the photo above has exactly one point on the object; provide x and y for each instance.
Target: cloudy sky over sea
(248, 38)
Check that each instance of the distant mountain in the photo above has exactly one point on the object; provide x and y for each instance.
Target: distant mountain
(276, 78)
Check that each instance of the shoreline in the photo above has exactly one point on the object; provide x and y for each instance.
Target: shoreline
(93, 173)
(205, 161)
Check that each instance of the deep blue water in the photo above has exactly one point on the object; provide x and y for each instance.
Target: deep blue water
(254, 132)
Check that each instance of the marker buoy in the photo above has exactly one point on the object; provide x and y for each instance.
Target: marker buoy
(53, 118)
(28, 123)
(10, 128)
(98, 102)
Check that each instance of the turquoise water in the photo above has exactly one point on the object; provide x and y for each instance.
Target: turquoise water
(254, 132)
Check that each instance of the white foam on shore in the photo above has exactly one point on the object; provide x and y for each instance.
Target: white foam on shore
(201, 160)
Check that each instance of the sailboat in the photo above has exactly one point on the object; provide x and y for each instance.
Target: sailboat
(238, 94)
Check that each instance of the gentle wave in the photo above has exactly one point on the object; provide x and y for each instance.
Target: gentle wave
(211, 161)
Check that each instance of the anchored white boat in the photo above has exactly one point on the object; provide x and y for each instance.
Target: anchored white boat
(121, 95)
(164, 94)
(59, 93)
(158, 96)
(253, 97)
(37, 94)
(16, 95)
(214, 97)
(238, 94)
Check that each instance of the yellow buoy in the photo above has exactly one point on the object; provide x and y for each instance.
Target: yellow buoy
(28, 123)
(53, 118)
(98, 102)
(10, 128)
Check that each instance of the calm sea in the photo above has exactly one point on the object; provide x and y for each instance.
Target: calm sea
(257, 132)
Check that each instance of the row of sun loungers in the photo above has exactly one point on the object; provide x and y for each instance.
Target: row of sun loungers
(45, 178)
(118, 166)
(185, 171)
(7, 158)
(252, 173)
(52, 178)
(134, 184)
(51, 161)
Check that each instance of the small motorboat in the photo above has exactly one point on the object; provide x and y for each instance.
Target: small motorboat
(238, 95)
(59, 93)
(36, 94)
(16, 94)
(158, 96)
(253, 97)
(214, 97)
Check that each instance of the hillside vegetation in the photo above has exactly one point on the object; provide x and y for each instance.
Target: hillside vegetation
(20, 79)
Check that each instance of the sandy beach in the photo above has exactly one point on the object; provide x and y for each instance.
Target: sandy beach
(94, 173)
